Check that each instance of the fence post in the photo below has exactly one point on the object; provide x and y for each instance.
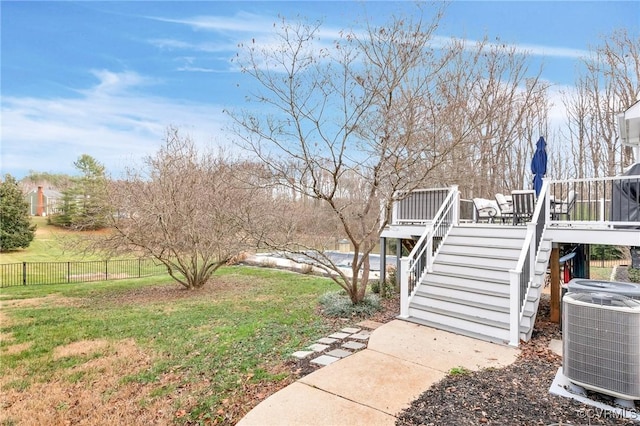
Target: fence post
(24, 273)
(106, 270)
(68, 272)
(139, 268)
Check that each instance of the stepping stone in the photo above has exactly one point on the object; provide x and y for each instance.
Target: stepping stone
(556, 346)
(327, 341)
(354, 345)
(324, 360)
(339, 335)
(339, 353)
(302, 354)
(351, 330)
(360, 336)
(371, 325)
(318, 347)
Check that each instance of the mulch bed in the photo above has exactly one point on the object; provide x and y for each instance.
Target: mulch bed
(514, 395)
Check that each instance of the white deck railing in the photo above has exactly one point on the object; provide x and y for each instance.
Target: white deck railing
(610, 201)
(418, 206)
(420, 260)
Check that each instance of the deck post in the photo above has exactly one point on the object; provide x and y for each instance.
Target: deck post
(404, 287)
(514, 308)
(554, 264)
(455, 218)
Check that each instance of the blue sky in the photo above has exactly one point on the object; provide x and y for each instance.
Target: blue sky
(107, 78)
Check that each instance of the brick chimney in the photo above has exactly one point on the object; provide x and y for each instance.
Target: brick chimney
(40, 205)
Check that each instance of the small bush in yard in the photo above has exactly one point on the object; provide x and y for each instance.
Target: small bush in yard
(390, 288)
(338, 304)
(634, 275)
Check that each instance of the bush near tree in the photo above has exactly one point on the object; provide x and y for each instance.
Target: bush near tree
(16, 230)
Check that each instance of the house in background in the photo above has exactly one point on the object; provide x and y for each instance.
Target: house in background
(43, 202)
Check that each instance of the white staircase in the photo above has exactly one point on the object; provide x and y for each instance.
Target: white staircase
(467, 290)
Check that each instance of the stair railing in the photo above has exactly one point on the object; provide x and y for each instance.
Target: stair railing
(522, 277)
(420, 260)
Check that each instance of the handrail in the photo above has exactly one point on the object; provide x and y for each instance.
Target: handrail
(421, 257)
(523, 274)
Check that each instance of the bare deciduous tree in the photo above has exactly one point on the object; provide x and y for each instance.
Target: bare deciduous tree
(503, 113)
(182, 208)
(348, 127)
(608, 84)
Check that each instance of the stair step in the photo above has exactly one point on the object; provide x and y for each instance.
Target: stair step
(461, 324)
(464, 298)
(544, 247)
(471, 271)
(484, 241)
(495, 231)
(496, 309)
(471, 283)
(495, 252)
(481, 261)
(498, 288)
(541, 268)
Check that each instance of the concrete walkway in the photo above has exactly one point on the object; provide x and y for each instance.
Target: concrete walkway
(373, 386)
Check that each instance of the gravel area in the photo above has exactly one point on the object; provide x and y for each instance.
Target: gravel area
(514, 395)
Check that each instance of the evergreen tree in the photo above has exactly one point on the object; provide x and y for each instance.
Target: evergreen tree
(16, 230)
(84, 204)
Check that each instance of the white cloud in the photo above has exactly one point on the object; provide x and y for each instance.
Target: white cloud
(114, 125)
(111, 82)
(209, 47)
(241, 22)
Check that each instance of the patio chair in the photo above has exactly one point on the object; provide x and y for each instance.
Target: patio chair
(486, 210)
(563, 207)
(524, 203)
(506, 209)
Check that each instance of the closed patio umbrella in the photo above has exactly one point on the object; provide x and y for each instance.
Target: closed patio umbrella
(539, 164)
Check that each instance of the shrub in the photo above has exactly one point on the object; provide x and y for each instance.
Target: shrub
(392, 279)
(390, 287)
(634, 275)
(338, 304)
(305, 269)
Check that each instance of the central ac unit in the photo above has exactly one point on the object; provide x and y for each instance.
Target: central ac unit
(601, 343)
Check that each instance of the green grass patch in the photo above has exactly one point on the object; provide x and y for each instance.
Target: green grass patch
(50, 245)
(459, 371)
(232, 330)
(597, 273)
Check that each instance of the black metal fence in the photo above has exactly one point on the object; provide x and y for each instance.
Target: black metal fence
(37, 273)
